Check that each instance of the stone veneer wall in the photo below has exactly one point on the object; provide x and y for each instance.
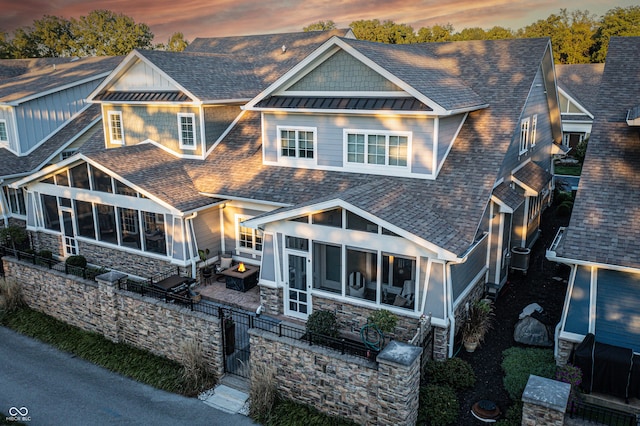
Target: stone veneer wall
(272, 300)
(120, 316)
(385, 392)
(565, 348)
(353, 317)
(544, 402)
(109, 257)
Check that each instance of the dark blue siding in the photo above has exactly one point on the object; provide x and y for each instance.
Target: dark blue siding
(463, 274)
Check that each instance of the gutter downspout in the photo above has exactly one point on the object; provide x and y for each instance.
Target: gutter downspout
(187, 221)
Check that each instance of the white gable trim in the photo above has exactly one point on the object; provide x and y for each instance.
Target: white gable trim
(575, 103)
(261, 221)
(77, 158)
(322, 53)
(125, 65)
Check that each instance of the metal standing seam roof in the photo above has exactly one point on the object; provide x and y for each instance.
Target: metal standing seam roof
(160, 96)
(604, 221)
(349, 103)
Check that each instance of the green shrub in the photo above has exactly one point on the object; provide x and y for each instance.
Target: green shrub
(439, 405)
(564, 209)
(78, 260)
(44, 257)
(562, 196)
(384, 320)
(288, 413)
(454, 372)
(519, 363)
(15, 236)
(324, 323)
(513, 416)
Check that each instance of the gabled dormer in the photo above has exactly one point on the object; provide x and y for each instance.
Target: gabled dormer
(361, 107)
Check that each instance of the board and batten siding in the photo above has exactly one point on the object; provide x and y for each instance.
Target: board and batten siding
(158, 123)
(330, 135)
(142, 76)
(536, 104)
(463, 274)
(206, 226)
(447, 131)
(38, 118)
(435, 304)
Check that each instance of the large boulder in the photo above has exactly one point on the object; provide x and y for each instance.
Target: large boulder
(531, 331)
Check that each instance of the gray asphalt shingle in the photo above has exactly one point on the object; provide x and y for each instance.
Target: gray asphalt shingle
(604, 222)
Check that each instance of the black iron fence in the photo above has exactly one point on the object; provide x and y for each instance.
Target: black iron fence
(145, 287)
(601, 415)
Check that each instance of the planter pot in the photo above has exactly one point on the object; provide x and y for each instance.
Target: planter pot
(207, 272)
(470, 345)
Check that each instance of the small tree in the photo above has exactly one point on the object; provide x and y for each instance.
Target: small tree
(15, 236)
(324, 323)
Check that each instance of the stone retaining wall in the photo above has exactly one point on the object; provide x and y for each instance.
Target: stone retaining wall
(147, 323)
(385, 392)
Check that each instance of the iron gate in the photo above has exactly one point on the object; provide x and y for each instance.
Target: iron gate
(235, 325)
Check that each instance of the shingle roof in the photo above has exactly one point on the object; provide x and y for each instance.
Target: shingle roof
(604, 222)
(155, 171)
(508, 196)
(533, 176)
(236, 67)
(446, 211)
(581, 82)
(11, 164)
(45, 78)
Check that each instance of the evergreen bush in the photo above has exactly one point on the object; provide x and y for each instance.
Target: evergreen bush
(77, 260)
(518, 363)
(439, 405)
(454, 372)
(324, 323)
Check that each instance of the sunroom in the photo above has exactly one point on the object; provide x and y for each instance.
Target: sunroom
(342, 253)
(91, 212)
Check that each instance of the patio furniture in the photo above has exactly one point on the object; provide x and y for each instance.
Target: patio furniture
(357, 284)
(241, 280)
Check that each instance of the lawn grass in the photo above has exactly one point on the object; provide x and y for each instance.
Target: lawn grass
(568, 169)
(121, 358)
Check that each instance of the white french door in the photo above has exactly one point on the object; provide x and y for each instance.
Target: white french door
(297, 298)
(68, 233)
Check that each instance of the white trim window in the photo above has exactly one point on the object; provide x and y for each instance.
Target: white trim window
(4, 133)
(116, 132)
(535, 205)
(247, 239)
(377, 148)
(16, 200)
(534, 128)
(297, 142)
(187, 130)
(524, 135)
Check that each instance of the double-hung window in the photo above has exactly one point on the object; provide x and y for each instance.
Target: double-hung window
(187, 130)
(4, 134)
(247, 239)
(116, 134)
(524, 135)
(297, 142)
(534, 128)
(377, 148)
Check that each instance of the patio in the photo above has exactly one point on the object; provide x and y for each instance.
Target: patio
(214, 289)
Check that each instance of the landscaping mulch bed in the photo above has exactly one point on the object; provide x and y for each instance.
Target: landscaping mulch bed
(539, 285)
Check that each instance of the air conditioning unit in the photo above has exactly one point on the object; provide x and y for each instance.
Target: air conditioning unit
(520, 258)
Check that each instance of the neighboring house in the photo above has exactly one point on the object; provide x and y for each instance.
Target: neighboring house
(365, 176)
(601, 242)
(577, 90)
(43, 113)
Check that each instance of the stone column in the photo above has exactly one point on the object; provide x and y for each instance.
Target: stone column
(565, 348)
(544, 402)
(398, 384)
(108, 304)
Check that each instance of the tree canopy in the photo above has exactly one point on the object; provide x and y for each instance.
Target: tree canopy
(100, 33)
(576, 37)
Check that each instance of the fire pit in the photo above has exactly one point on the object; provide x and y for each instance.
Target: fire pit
(242, 277)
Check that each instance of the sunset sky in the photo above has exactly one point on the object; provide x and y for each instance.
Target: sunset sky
(214, 18)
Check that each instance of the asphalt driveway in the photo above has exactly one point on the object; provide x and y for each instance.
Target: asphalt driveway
(50, 387)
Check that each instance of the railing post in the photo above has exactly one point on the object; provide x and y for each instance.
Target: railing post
(251, 320)
(342, 345)
(66, 268)
(279, 329)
